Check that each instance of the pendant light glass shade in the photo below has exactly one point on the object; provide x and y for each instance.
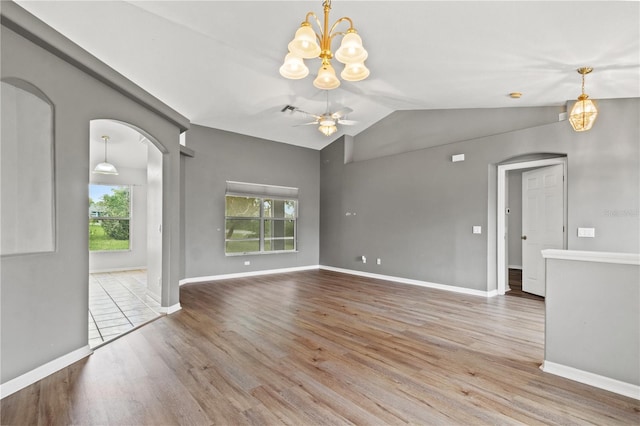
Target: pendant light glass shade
(583, 114)
(351, 49)
(304, 44)
(584, 111)
(326, 79)
(354, 72)
(293, 67)
(105, 168)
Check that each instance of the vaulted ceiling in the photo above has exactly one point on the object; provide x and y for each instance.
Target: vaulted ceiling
(216, 62)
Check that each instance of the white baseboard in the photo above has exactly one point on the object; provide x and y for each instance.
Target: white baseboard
(245, 274)
(125, 269)
(39, 373)
(168, 309)
(400, 280)
(591, 379)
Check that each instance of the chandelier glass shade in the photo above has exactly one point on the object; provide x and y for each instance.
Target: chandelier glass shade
(584, 111)
(105, 168)
(294, 67)
(307, 44)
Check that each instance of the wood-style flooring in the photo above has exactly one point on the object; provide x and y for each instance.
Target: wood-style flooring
(319, 347)
(515, 284)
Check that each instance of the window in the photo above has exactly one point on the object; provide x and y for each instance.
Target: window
(260, 223)
(109, 217)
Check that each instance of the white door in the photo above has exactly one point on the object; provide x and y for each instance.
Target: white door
(542, 223)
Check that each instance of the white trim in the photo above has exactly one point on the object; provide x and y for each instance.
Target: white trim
(591, 379)
(39, 373)
(502, 205)
(515, 267)
(245, 274)
(400, 280)
(168, 310)
(445, 287)
(593, 256)
(126, 269)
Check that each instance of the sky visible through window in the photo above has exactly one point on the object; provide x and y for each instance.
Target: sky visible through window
(97, 191)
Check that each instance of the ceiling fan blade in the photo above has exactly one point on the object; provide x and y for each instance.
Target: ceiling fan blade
(341, 113)
(347, 122)
(317, 117)
(305, 124)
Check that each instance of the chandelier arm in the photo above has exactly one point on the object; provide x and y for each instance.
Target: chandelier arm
(343, 19)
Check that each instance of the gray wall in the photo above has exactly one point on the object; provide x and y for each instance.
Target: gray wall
(44, 297)
(415, 210)
(154, 222)
(592, 318)
(392, 135)
(221, 156)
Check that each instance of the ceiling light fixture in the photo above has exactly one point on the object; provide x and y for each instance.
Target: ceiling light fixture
(305, 46)
(105, 168)
(584, 111)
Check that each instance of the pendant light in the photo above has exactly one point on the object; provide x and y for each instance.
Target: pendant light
(105, 168)
(584, 111)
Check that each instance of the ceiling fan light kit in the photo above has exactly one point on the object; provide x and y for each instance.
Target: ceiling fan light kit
(584, 111)
(305, 46)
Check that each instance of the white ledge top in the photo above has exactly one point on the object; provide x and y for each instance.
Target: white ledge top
(593, 256)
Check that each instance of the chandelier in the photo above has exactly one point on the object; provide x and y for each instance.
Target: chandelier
(584, 111)
(305, 46)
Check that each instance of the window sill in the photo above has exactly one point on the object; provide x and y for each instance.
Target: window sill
(258, 253)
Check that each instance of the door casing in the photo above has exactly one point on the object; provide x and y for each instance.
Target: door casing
(501, 228)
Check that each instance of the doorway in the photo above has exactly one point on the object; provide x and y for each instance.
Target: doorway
(125, 234)
(502, 235)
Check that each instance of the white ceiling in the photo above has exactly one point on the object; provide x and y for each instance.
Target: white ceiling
(216, 62)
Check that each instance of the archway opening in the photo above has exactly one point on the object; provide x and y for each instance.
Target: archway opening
(125, 232)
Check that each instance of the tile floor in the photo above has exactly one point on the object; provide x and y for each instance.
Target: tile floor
(117, 304)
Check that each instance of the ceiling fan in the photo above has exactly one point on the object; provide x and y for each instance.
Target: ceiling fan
(326, 122)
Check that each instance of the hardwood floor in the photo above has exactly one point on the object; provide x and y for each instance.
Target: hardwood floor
(515, 284)
(319, 347)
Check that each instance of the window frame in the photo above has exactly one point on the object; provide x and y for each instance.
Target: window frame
(110, 218)
(261, 218)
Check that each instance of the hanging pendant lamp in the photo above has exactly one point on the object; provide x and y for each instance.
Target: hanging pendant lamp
(105, 168)
(584, 111)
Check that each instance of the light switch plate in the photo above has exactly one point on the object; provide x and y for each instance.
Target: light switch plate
(586, 232)
(477, 229)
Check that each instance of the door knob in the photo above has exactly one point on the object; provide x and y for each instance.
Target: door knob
(524, 237)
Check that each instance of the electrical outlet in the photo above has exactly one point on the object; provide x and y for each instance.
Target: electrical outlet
(586, 232)
(378, 261)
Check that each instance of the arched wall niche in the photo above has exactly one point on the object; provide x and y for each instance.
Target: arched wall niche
(27, 176)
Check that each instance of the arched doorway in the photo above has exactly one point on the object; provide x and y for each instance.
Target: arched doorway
(125, 232)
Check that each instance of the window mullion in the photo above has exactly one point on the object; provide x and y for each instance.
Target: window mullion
(261, 224)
